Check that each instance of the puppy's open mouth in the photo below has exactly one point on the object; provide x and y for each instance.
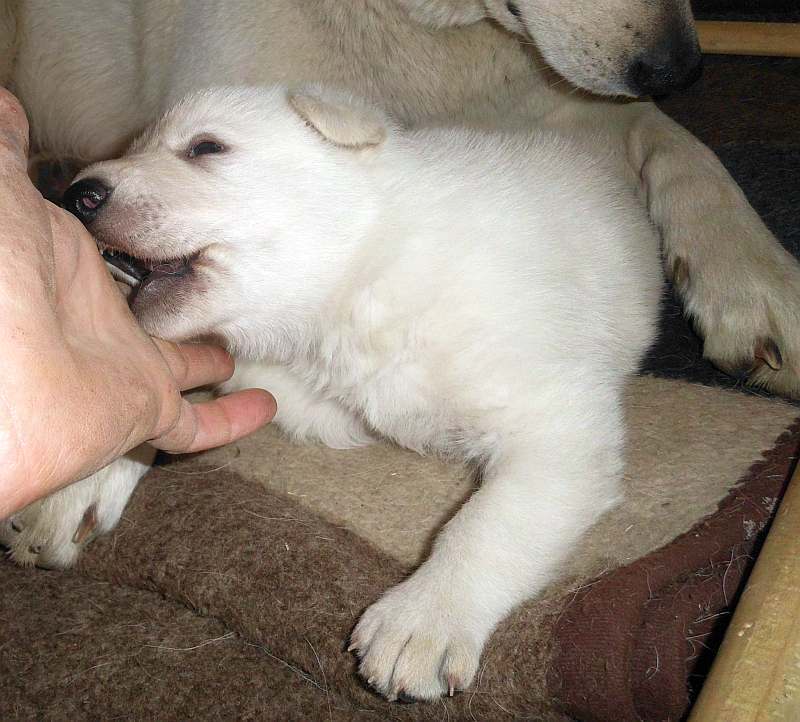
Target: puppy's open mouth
(138, 273)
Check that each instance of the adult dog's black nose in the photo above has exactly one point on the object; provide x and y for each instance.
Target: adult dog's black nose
(673, 64)
(85, 198)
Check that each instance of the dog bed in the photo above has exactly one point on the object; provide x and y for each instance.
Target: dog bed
(231, 585)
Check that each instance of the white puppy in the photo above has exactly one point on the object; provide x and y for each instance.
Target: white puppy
(478, 295)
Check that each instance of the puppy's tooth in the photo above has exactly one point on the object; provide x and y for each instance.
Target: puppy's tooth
(769, 352)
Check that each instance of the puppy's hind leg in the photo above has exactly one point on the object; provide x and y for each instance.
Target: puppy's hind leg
(543, 488)
(53, 531)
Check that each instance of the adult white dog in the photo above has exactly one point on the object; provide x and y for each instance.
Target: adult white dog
(92, 75)
(478, 295)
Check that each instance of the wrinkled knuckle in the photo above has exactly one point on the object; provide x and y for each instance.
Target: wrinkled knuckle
(174, 401)
(13, 116)
(225, 364)
(9, 103)
(63, 221)
(182, 365)
(226, 431)
(170, 410)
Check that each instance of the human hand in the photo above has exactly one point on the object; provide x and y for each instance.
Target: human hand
(81, 382)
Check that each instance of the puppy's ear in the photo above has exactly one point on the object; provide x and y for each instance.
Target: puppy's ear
(340, 119)
(445, 13)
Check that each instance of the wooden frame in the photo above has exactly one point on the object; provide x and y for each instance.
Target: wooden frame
(756, 674)
(733, 38)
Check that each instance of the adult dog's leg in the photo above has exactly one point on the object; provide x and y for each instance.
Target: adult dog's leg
(555, 471)
(53, 531)
(737, 283)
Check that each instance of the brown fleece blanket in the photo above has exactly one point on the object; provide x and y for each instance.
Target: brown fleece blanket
(229, 592)
(637, 643)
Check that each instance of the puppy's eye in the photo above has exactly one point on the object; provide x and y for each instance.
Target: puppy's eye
(513, 8)
(205, 147)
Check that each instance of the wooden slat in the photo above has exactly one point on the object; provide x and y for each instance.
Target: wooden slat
(756, 674)
(733, 38)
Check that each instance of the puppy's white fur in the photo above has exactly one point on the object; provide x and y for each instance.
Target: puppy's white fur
(473, 294)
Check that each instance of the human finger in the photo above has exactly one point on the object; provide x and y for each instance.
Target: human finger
(194, 365)
(215, 423)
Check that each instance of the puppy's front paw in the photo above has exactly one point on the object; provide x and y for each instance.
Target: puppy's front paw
(749, 317)
(52, 532)
(416, 645)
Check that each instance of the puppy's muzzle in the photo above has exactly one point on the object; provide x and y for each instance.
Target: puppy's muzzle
(85, 198)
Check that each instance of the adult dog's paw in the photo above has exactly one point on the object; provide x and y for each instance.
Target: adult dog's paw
(414, 645)
(52, 532)
(749, 317)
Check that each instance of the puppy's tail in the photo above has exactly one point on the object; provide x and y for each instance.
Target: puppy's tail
(8, 39)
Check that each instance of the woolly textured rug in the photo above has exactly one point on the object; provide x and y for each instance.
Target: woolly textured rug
(231, 585)
(235, 577)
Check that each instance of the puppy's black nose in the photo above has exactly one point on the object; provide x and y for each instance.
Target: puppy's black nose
(85, 198)
(674, 64)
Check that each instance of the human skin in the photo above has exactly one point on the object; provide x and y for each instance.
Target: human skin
(81, 382)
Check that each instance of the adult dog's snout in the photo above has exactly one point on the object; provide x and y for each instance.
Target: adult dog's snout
(674, 63)
(85, 198)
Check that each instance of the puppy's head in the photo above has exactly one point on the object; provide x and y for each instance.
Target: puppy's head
(239, 209)
(618, 47)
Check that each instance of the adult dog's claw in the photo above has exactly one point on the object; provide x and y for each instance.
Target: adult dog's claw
(768, 352)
